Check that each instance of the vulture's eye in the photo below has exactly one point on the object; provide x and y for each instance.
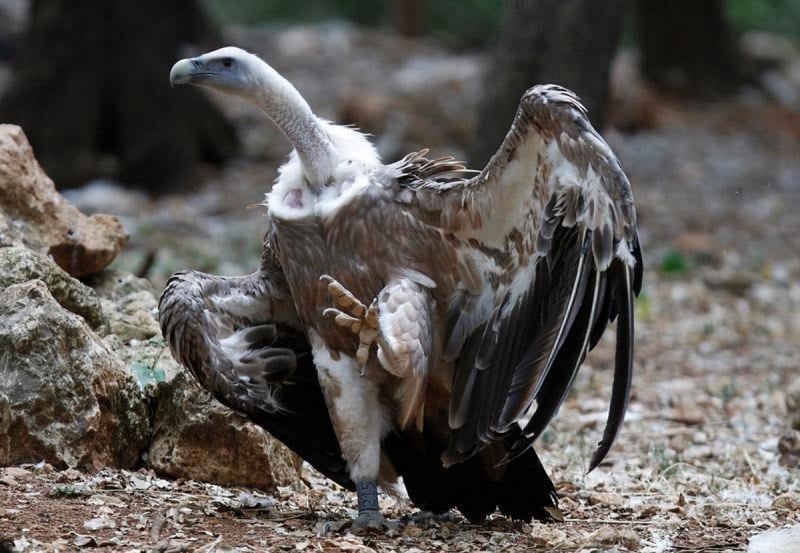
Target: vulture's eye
(227, 62)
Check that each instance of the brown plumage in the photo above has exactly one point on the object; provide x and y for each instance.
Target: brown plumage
(438, 305)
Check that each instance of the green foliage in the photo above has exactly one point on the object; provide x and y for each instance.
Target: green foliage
(674, 263)
(254, 12)
(547, 437)
(468, 22)
(729, 391)
(147, 375)
(465, 22)
(778, 16)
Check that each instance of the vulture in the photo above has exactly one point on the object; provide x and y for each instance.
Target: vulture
(418, 320)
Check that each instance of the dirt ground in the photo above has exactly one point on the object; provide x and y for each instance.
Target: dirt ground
(696, 466)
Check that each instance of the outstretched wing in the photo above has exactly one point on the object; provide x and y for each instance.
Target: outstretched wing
(239, 338)
(554, 209)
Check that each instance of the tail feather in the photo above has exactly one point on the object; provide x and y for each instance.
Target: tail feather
(478, 486)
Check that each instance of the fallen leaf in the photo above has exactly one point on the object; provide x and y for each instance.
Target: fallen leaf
(789, 501)
(604, 498)
(84, 541)
(99, 523)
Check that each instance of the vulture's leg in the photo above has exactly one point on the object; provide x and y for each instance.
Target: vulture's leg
(358, 421)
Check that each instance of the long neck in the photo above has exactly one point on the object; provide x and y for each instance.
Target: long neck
(281, 101)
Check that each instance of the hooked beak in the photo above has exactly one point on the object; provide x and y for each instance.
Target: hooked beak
(188, 71)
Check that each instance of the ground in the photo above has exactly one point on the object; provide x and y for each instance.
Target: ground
(696, 466)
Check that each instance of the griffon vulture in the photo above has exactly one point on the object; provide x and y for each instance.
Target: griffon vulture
(445, 312)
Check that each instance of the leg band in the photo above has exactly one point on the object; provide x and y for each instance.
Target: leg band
(367, 491)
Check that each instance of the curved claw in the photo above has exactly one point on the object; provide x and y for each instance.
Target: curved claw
(343, 319)
(344, 297)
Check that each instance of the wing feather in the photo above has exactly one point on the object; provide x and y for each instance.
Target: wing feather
(623, 365)
(239, 338)
(556, 202)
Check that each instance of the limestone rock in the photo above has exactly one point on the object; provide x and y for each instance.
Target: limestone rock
(128, 304)
(64, 397)
(19, 265)
(793, 404)
(789, 448)
(33, 214)
(196, 437)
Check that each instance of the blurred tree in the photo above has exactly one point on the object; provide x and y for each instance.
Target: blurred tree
(567, 42)
(688, 45)
(408, 15)
(91, 90)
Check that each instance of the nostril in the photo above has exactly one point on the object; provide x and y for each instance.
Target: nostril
(196, 63)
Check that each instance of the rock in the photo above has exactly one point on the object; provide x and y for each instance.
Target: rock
(193, 436)
(702, 247)
(19, 265)
(610, 536)
(605, 498)
(64, 397)
(733, 282)
(789, 448)
(196, 437)
(634, 104)
(547, 536)
(793, 404)
(777, 540)
(128, 303)
(33, 214)
(150, 364)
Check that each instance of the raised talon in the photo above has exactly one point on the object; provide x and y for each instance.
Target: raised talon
(356, 316)
(344, 297)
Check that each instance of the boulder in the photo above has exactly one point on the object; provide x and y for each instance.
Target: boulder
(74, 399)
(128, 303)
(64, 397)
(19, 265)
(196, 437)
(33, 214)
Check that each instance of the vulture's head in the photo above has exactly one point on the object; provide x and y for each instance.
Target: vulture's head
(234, 71)
(228, 69)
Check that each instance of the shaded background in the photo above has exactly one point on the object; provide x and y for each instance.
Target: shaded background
(87, 80)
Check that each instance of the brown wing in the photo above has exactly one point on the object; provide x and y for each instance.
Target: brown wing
(239, 338)
(556, 205)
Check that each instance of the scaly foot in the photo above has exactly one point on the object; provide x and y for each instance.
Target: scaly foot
(372, 521)
(370, 518)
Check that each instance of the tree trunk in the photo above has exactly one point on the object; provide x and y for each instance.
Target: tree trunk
(91, 90)
(408, 16)
(565, 42)
(688, 45)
